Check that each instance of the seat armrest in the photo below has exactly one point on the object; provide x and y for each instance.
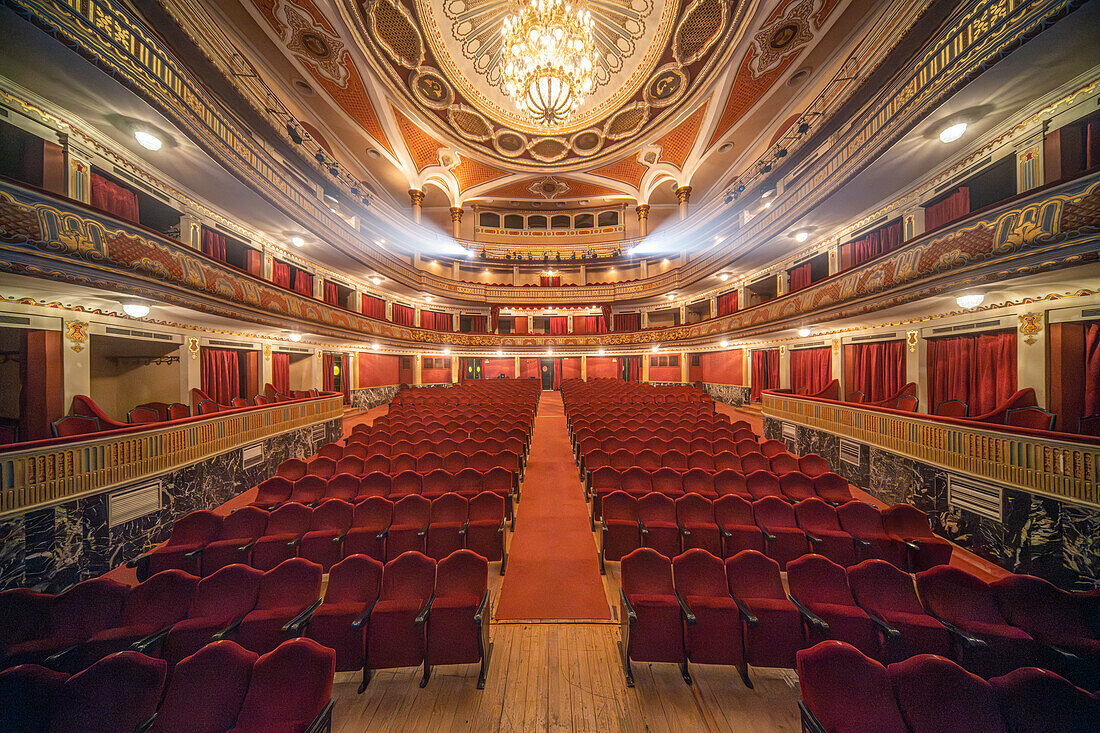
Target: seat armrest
(362, 618)
(725, 532)
(248, 545)
(890, 631)
(689, 617)
(478, 614)
(503, 526)
(861, 542)
(339, 538)
(423, 615)
(630, 613)
(383, 534)
(146, 725)
(812, 538)
(194, 553)
(643, 528)
(685, 531)
(810, 723)
(294, 542)
(142, 645)
(911, 544)
(746, 612)
(768, 535)
(228, 630)
(57, 657)
(812, 618)
(323, 721)
(969, 641)
(144, 557)
(465, 526)
(300, 621)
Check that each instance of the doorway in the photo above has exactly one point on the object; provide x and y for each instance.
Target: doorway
(546, 367)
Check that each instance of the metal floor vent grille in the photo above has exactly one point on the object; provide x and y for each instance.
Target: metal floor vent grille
(849, 452)
(252, 455)
(129, 504)
(980, 497)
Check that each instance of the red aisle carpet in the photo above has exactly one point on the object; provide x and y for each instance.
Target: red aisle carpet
(552, 572)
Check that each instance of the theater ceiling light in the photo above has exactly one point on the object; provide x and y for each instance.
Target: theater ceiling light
(953, 132)
(655, 347)
(801, 236)
(135, 310)
(374, 347)
(446, 350)
(970, 301)
(295, 337)
(297, 241)
(376, 280)
(724, 276)
(723, 343)
(804, 332)
(600, 352)
(147, 140)
(500, 352)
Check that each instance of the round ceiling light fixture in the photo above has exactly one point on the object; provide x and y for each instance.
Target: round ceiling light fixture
(546, 59)
(500, 352)
(723, 276)
(297, 241)
(655, 347)
(970, 301)
(446, 350)
(295, 337)
(135, 309)
(376, 280)
(804, 332)
(801, 236)
(952, 132)
(723, 343)
(148, 140)
(600, 352)
(374, 346)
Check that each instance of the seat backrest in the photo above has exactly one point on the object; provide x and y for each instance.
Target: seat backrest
(290, 685)
(1039, 608)
(817, 579)
(619, 506)
(117, 693)
(951, 408)
(332, 514)
(860, 519)
(931, 690)
(375, 484)
(656, 507)
(142, 415)
(905, 520)
(783, 463)
(771, 511)
(462, 573)
(450, 507)
(293, 583)
(956, 596)
(274, 490)
(698, 481)
(218, 676)
(646, 572)
(487, 505)
(226, 594)
(812, 464)
(355, 579)
(373, 512)
(409, 576)
(248, 522)
(159, 601)
(87, 607)
(343, 486)
(674, 459)
(667, 479)
(290, 518)
(309, 489)
(762, 484)
(847, 691)
(752, 574)
(349, 464)
(197, 527)
(732, 510)
(321, 466)
(882, 588)
(414, 510)
(1032, 699)
(694, 509)
(699, 573)
(24, 615)
(331, 450)
(74, 425)
(291, 468)
(178, 411)
(29, 692)
(815, 514)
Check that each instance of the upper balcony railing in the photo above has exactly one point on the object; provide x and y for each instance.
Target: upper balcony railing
(1037, 461)
(51, 471)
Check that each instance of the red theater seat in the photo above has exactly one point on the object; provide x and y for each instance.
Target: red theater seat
(818, 519)
(784, 540)
(733, 515)
(285, 528)
(328, 526)
(485, 532)
(331, 450)
(935, 694)
(273, 491)
(888, 594)
(309, 490)
(396, 635)
(343, 486)
(289, 688)
(864, 523)
(833, 488)
(206, 690)
(285, 592)
(771, 625)
(409, 527)
(370, 522)
(657, 519)
(374, 484)
(760, 484)
(909, 525)
(731, 482)
(813, 465)
(712, 634)
(239, 532)
(1032, 699)
(117, 693)
(846, 692)
(447, 523)
(340, 622)
(220, 599)
(620, 532)
(652, 629)
(695, 515)
(796, 486)
(183, 550)
(291, 469)
(458, 623)
(820, 589)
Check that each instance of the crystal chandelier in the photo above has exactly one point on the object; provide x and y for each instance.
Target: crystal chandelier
(547, 57)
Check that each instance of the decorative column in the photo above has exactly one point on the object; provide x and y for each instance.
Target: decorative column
(516, 367)
(454, 369)
(456, 220)
(685, 368)
(642, 210)
(782, 283)
(454, 323)
(1031, 354)
(570, 323)
(645, 367)
(683, 315)
(712, 306)
(584, 275)
(645, 320)
(916, 368)
(1029, 164)
(454, 270)
(78, 172)
(683, 194)
(389, 311)
(416, 317)
(418, 370)
(417, 198)
(644, 265)
(784, 367)
(584, 368)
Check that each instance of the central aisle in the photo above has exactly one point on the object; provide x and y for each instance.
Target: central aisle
(552, 572)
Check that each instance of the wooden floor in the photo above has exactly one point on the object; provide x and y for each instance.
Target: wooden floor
(566, 677)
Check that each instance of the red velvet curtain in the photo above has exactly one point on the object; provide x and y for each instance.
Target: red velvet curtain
(588, 324)
(213, 244)
(800, 277)
(1092, 371)
(280, 372)
(479, 324)
(404, 315)
(327, 364)
(494, 319)
(345, 378)
(727, 303)
(303, 283)
(373, 307)
(220, 375)
(114, 199)
(876, 369)
(633, 368)
(280, 274)
(332, 295)
(979, 369)
(557, 373)
(605, 311)
(628, 321)
(559, 325)
(435, 321)
(765, 371)
(886, 238)
(519, 324)
(549, 280)
(954, 206)
(811, 368)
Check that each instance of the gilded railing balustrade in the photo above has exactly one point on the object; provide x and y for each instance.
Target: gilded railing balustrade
(40, 476)
(1060, 468)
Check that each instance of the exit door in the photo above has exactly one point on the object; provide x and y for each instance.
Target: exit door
(546, 367)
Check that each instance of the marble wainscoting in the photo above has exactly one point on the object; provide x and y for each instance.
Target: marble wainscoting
(1038, 535)
(50, 549)
(368, 397)
(727, 394)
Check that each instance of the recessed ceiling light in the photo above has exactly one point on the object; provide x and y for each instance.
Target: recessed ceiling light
(374, 347)
(951, 133)
(804, 332)
(374, 154)
(672, 296)
(970, 301)
(664, 261)
(724, 276)
(135, 310)
(612, 270)
(723, 343)
(725, 147)
(801, 236)
(446, 350)
(295, 337)
(549, 352)
(297, 241)
(428, 298)
(768, 193)
(601, 352)
(500, 352)
(767, 204)
(655, 347)
(147, 140)
(376, 280)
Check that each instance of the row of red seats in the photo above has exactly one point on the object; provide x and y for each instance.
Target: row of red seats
(843, 690)
(899, 535)
(431, 420)
(202, 542)
(791, 487)
(222, 687)
(649, 419)
(443, 447)
(701, 439)
(810, 465)
(415, 435)
(294, 469)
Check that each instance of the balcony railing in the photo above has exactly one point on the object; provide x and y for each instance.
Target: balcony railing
(52, 473)
(1051, 464)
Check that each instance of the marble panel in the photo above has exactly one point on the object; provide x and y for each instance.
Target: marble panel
(893, 478)
(728, 394)
(773, 429)
(823, 444)
(13, 544)
(369, 397)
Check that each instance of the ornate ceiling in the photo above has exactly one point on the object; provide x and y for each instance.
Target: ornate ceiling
(679, 84)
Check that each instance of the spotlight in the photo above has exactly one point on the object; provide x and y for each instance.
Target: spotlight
(804, 332)
(767, 204)
(500, 352)
(549, 352)
(147, 140)
(293, 134)
(295, 337)
(672, 296)
(970, 301)
(600, 352)
(951, 133)
(297, 241)
(801, 236)
(723, 343)
(374, 347)
(428, 298)
(135, 310)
